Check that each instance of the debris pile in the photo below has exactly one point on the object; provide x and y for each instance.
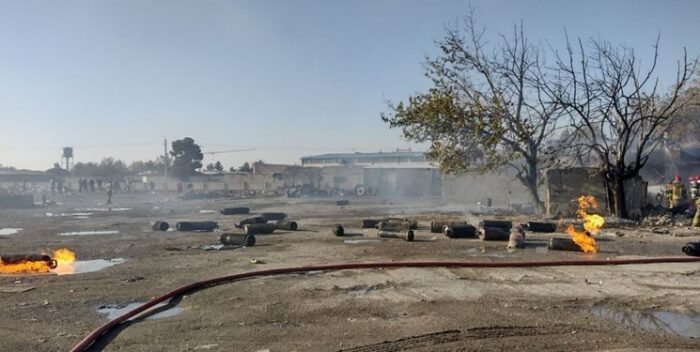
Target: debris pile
(669, 219)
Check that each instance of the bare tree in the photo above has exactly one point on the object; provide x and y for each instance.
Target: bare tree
(487, 108)
(687, 126)
(617, 108)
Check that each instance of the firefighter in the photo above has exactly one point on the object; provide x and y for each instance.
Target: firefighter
(695, 195)
(676, 193)
(109, 193)
(668, 190)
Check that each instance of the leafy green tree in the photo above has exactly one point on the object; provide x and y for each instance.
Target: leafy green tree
(87, 169)
(107, 168)
(187, 158)
(137, 167)
(245, 167)
(487, 109)
(218, 166)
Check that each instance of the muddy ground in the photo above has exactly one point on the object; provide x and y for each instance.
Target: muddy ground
(541, 309)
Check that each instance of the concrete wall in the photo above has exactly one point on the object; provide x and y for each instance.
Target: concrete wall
(501, 187)
(8, 201)
(230, 182)
(23, 186)
(259, 168)
(298, 175)
(636, 198)
(564, 186)
(23, 180)
(346, 178)
(403, 182)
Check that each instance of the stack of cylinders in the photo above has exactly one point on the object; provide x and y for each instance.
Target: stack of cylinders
(287, 225)
(397, 225)
(231, 239)
(411, 224)
(371, 223)
(160, 226)
(234, 211)
(692, 248)
(248, 221)
(338, 230)
(563, 244)
(206, 226)
(253, 229)
(406, 235)
(494, 234)
(501, 224)
(274, 216)
(460, 231)
(437, 226)
(535, 226)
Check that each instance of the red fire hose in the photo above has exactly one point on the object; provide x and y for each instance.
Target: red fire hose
(105, 328)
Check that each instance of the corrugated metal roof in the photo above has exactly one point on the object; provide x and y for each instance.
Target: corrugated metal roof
(22, 172)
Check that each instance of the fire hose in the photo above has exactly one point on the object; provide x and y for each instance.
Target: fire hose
(93, 336)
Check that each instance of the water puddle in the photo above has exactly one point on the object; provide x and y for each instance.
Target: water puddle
(360, 241)
(9, 231)
(161, 310)
(85, 233)
(73, 215)
(103, 209)
(686, 325)
(86, 266)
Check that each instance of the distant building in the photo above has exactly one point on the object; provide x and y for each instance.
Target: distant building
(398, 159)
(263, 168)
(22, 181)
(22, 178)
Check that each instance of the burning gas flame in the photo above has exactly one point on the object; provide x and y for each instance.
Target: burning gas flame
(24, 267)
(63, 257)
(592, 223)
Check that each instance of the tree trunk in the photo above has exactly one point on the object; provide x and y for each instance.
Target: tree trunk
(532, 178)
(620, 206)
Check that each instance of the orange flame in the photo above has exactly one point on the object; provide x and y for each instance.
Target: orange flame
(592, 223)
(63, 257)
(24, 267)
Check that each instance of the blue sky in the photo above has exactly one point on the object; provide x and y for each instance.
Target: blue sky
(289, 78)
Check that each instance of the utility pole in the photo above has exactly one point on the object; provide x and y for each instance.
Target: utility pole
(165, 162)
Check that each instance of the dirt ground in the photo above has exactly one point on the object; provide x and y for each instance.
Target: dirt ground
(540, 309)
